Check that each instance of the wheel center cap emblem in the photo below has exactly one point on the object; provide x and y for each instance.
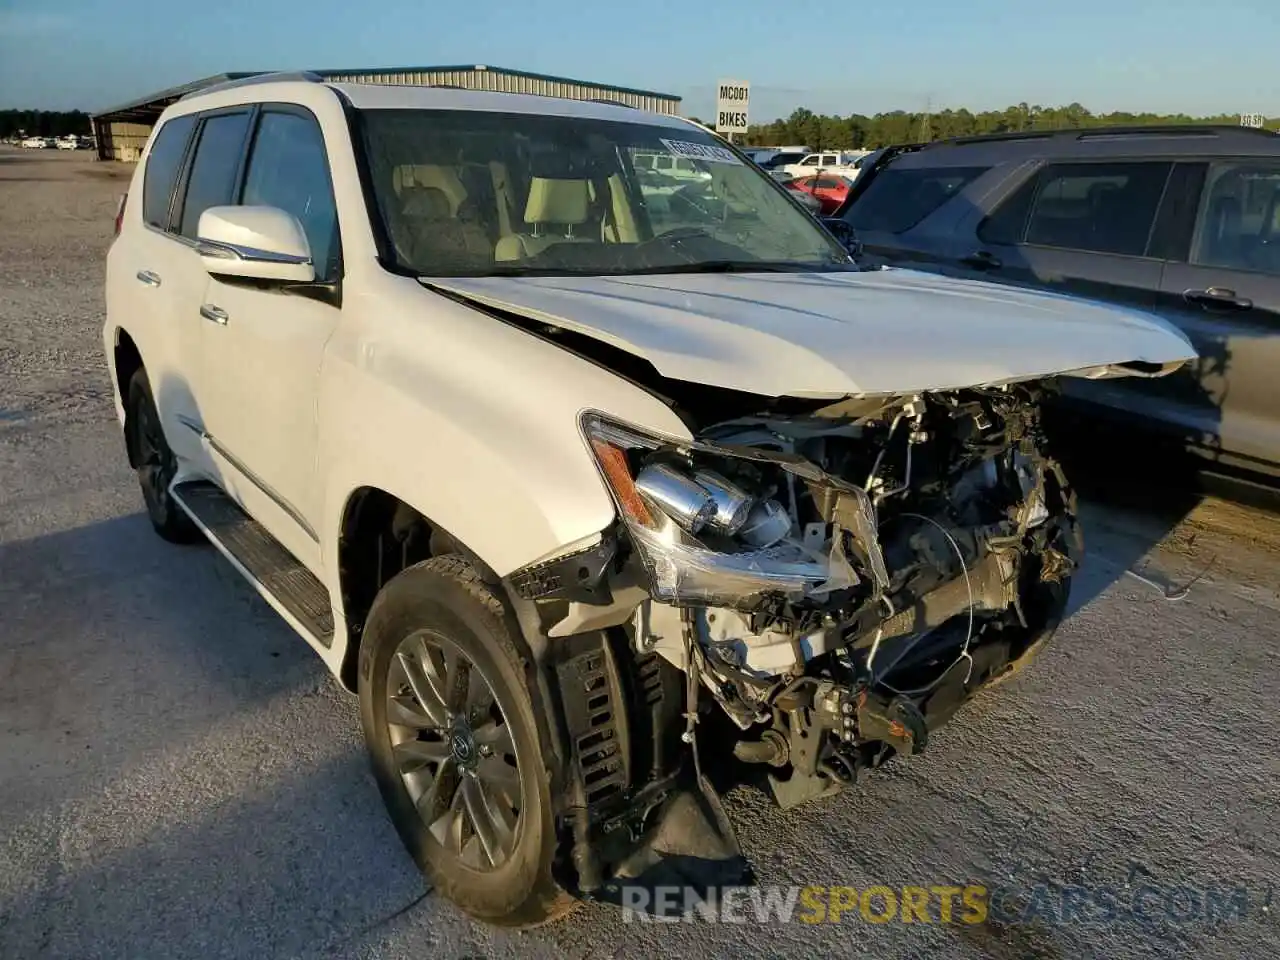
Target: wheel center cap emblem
(463, 751)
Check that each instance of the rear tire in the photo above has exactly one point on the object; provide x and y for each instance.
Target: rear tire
(439, 656)
(156, 464)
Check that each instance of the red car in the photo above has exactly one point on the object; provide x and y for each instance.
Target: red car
(829, 190)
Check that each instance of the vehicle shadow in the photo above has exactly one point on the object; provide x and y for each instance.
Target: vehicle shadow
(300, 863)
(179, 775)
(116, 637)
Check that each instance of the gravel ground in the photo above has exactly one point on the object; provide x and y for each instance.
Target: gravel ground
(180, 777)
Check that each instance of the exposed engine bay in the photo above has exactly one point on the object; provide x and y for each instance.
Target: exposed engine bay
(830, 585)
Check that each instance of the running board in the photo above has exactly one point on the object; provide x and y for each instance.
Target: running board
(292, 589)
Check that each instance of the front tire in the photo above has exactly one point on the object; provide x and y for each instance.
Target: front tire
(450, 726)
(155, 463)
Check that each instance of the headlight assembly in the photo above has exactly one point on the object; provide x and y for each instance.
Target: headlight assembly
(704, 521)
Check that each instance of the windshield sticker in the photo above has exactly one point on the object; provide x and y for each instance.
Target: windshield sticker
(700, 151)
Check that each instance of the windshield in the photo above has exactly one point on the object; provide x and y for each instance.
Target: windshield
(471, 193)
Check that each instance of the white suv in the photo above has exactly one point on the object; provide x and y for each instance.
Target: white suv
(589, 499)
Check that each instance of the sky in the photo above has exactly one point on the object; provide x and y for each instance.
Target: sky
(835, 56)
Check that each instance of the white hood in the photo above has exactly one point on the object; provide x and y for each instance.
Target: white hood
(838, 334)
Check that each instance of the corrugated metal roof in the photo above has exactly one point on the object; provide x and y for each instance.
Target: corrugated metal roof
(151, 106)
(484, 68)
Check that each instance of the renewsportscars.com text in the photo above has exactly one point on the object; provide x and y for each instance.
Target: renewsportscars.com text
(972, 903)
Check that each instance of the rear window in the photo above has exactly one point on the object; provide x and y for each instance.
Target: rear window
(162, 169)
(1240, 218)
(898, 199)
(1099, 207)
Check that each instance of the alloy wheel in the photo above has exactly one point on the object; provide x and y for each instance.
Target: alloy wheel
(454, 751)
(156, 463)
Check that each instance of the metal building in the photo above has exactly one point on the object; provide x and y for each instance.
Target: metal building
(122, 131)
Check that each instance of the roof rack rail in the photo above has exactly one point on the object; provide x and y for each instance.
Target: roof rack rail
(1170, 130)
(1106, 133)
(611, 102)
(280, 77)
(995, 137)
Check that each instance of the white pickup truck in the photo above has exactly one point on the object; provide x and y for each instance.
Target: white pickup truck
(842, 164)
(581, 493)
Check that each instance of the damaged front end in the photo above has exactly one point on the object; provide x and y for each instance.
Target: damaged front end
(794, 596)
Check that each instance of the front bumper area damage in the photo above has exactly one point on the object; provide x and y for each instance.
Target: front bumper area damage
(788, 600)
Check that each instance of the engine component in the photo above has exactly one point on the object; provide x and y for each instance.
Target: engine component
(833, 622)
(771, 748)
(777, 650)
(897, 722)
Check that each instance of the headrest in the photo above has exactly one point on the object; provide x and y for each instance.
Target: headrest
(1101, 191)
(441, 178)
(428, 203)
(556, 201)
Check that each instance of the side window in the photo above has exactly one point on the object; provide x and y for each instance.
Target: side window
(163, 165)
(289, 169)
(1238, 226)
(809, 162)
(1100, 207)
(212, 181)
(1007, 222)
(897, 199)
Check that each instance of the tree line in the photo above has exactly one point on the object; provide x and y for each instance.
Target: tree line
(44, 123)
(859, 132)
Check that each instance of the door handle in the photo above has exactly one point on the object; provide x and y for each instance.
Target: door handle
(216, 314)
(1219, 297)
(149, 278)
(982, 260)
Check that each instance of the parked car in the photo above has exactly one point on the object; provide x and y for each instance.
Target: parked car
(68, 143)
(830, 191)
(578, 494)
(1182, 221)
(762, 155)
(34, 143)
(838, 163)
(665, 165)
(758, 155)
(775, 165)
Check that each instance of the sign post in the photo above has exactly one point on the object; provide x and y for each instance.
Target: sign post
(733, 100)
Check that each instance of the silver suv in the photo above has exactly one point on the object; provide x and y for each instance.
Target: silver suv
(1183, 222)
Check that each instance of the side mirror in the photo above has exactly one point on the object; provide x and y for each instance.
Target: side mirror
(847, 236)
(257, 243)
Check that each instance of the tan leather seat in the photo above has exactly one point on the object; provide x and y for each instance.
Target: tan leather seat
(553, 211)
(423, 175)
(435, 239)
